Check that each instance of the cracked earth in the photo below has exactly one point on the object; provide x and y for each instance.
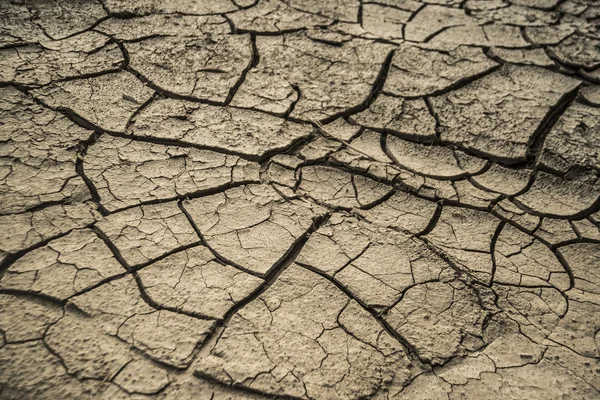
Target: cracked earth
(300, 199)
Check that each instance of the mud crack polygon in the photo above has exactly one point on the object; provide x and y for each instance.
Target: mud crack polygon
(300, 199)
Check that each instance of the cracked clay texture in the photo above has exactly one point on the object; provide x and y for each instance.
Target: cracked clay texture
(299, 199)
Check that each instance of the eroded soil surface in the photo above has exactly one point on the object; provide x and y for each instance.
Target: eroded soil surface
(300, 199)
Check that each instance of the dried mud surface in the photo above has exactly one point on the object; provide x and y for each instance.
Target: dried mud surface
(300, 199)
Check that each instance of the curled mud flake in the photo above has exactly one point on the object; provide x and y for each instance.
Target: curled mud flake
(287, 342)
(63, 267)
(240, 224)
(127, 172)
(107, 101)
(118, 309)
(145, 233)
(500, 114)
(194, 282)
(226, 129)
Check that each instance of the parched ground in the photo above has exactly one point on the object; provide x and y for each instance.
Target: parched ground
(299, 199)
